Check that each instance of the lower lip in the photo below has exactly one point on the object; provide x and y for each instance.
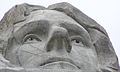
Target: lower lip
(59, 65)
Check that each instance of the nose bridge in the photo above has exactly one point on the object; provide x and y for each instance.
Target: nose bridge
(58, 40)
(58, 32)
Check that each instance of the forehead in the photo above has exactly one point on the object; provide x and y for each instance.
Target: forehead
(52, 16)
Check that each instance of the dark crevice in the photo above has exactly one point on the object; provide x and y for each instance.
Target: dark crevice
(18, 21)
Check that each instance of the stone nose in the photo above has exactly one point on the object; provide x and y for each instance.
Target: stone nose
(59, 40)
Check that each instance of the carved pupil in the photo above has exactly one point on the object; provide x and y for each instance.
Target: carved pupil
(77, 41)
(30, 39)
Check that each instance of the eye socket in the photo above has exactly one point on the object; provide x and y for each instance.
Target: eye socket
(31, 38)
(77, 41)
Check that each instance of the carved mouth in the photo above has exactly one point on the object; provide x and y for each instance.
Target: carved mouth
(65, 62)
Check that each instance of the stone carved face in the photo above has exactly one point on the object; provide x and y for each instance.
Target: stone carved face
(59, 38)
(52, 40)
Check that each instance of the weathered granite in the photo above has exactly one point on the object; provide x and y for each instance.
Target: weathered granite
(59, 38)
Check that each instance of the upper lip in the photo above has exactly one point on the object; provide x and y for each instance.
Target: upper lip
(56, 59)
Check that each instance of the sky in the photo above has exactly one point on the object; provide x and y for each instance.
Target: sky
(105, 12)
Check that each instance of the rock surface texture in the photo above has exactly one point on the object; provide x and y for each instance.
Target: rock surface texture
(59, 38)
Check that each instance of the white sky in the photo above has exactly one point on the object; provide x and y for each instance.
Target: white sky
(105, 12)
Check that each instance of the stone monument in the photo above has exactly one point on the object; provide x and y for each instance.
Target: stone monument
(59, 38)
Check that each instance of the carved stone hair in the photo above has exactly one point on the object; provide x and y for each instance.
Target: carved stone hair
(106, 55)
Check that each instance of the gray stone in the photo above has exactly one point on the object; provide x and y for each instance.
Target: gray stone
(59, 38)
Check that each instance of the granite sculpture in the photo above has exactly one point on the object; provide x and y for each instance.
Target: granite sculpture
(59, 38)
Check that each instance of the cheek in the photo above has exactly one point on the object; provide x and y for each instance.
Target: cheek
(27, 51)
(80, 52)
(84, 56)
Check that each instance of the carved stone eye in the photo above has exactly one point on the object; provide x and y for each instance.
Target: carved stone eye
(31, 38)
(77, 41)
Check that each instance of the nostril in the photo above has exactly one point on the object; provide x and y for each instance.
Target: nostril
(68, 45)
(48, 50)
(50, 44)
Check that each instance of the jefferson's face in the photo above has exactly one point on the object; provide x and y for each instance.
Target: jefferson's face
(51, 40)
